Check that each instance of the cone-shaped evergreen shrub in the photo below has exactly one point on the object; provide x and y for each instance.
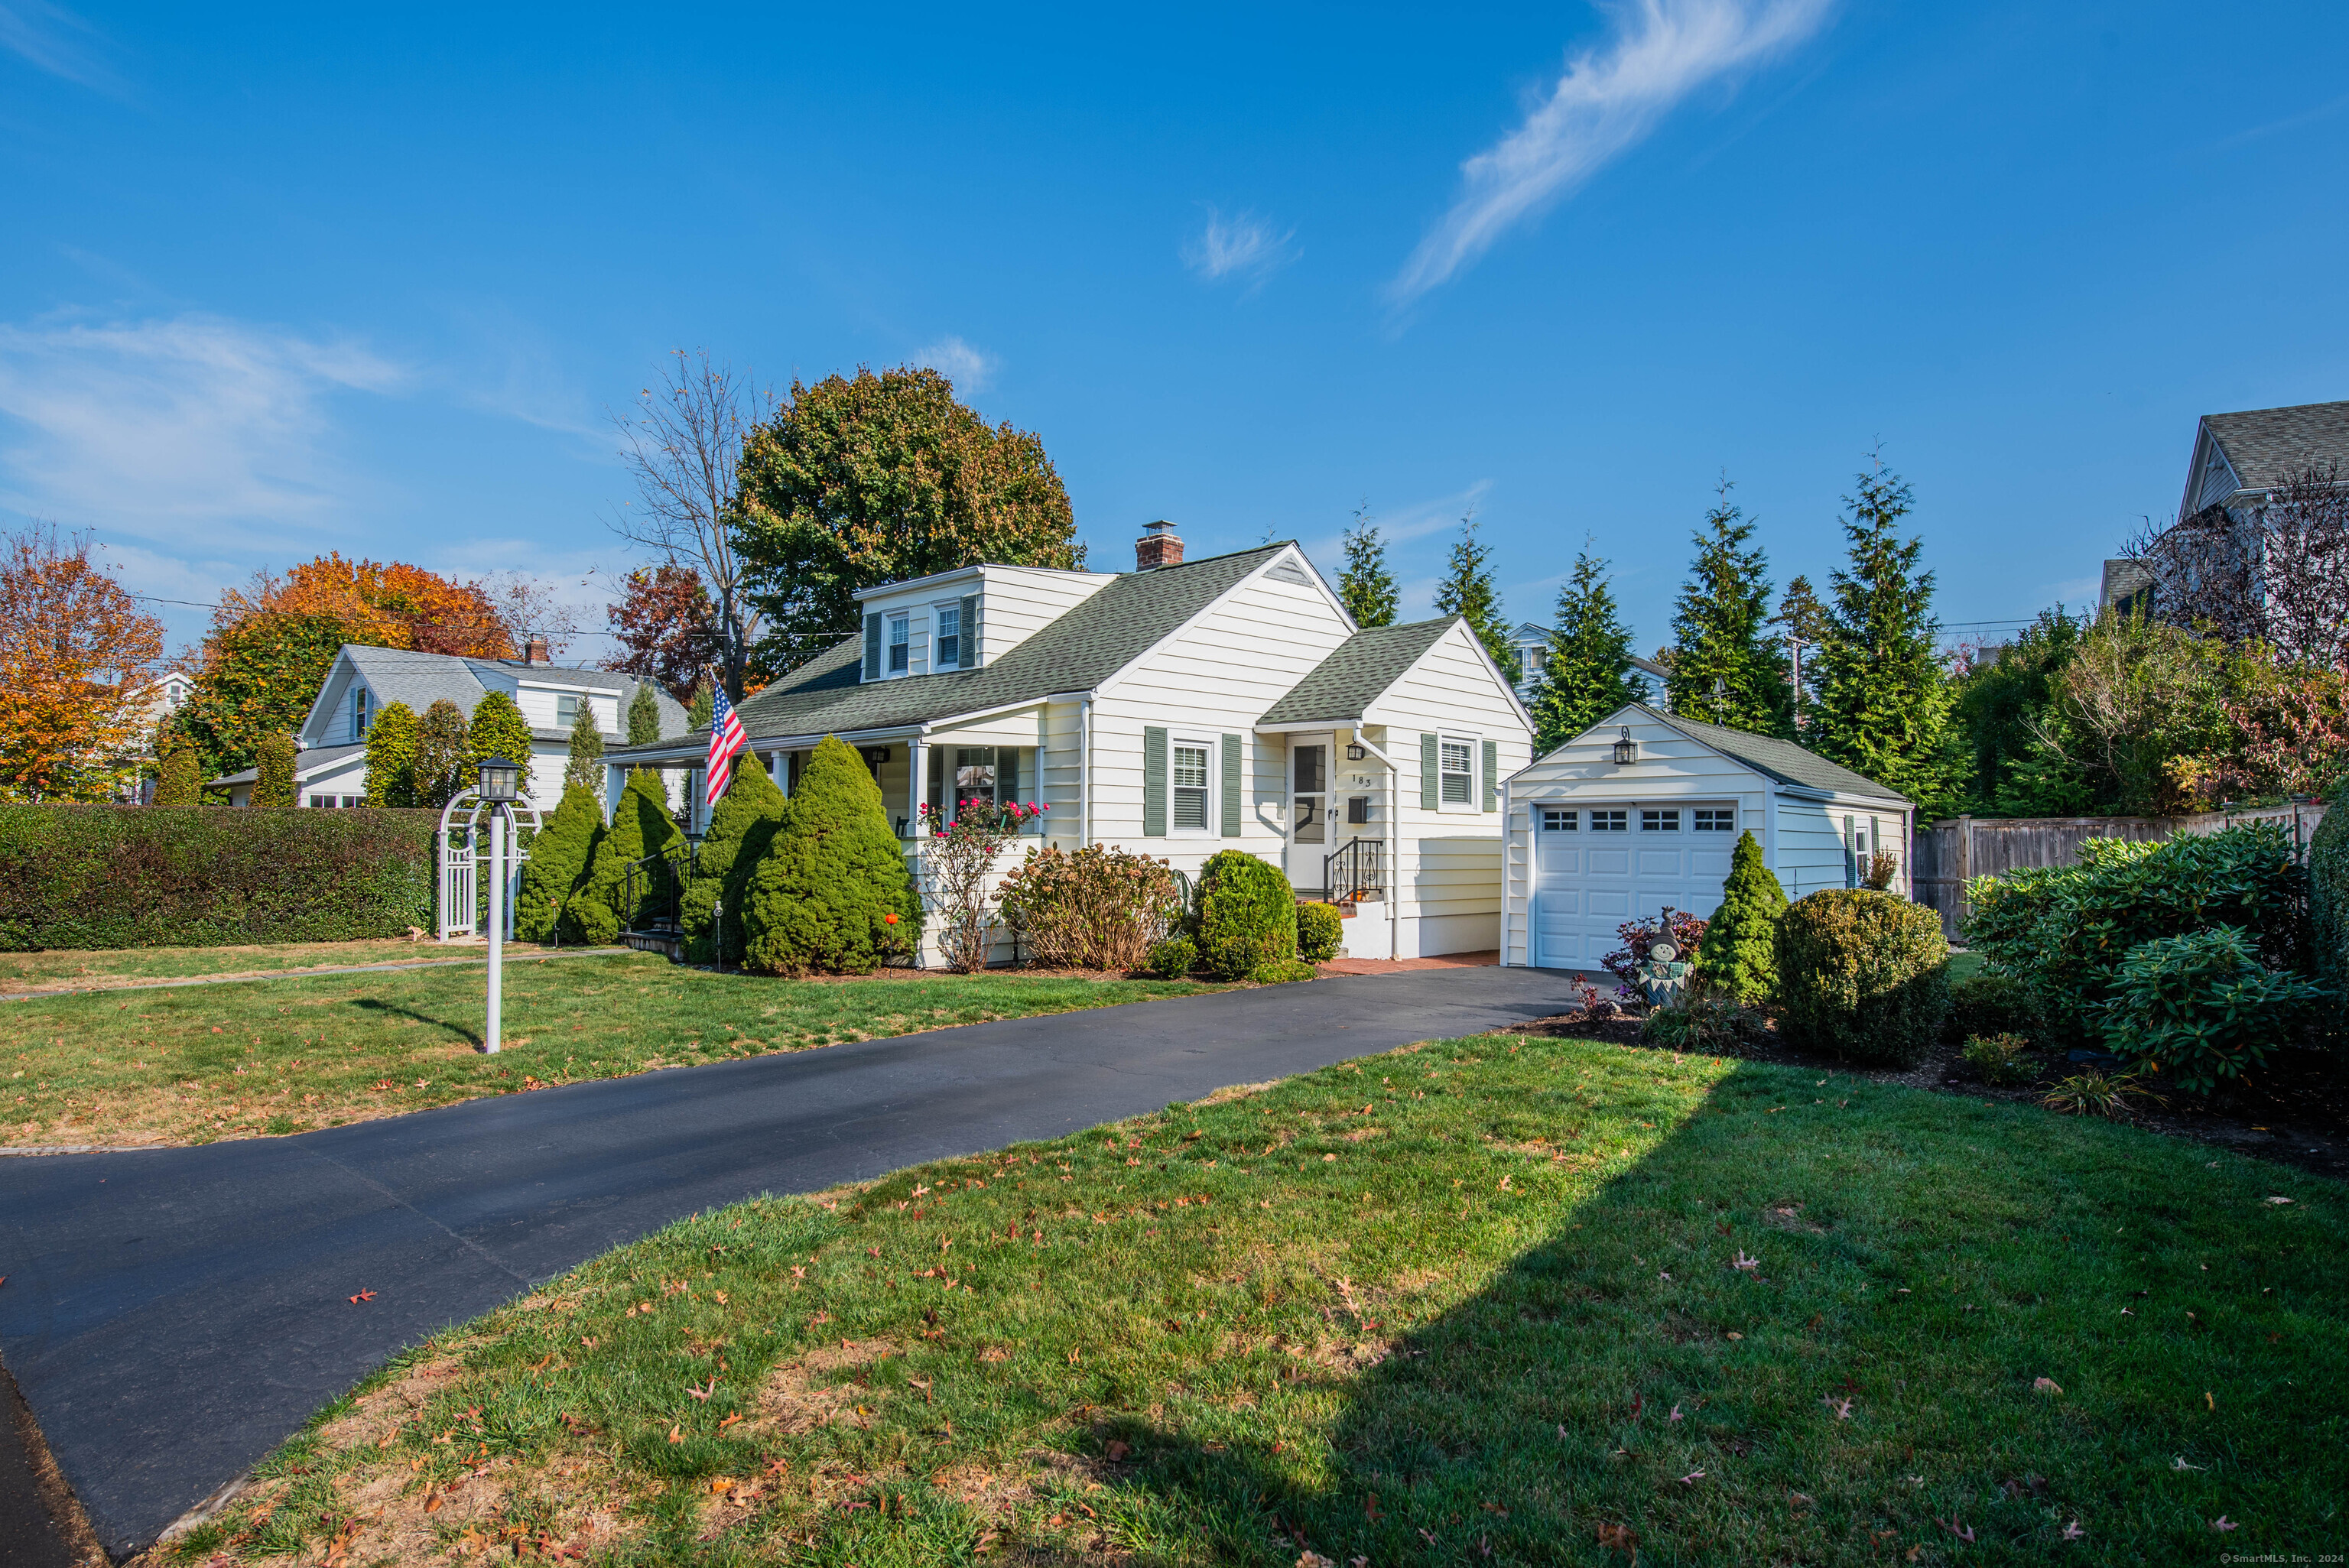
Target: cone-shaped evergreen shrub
(644, 716)
(1244, 915)
(1863, 974)
(831, 892)
(741, 831)
(641, 826)
(499, 729)
(557, 866)
(1739, 952)
(180, 776)
(273, 778)
(584, 767)
(391, 757)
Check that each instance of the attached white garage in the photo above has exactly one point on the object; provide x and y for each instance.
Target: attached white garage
(1600, 831)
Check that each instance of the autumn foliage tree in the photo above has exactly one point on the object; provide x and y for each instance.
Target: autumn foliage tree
(664, 627)
(74, 656)
(271, 642)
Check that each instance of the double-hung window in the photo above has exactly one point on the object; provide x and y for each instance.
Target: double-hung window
(566, 710)
(1459, 773)
(947, 647)
(358, 713)
(901, 643)
(1188, 773)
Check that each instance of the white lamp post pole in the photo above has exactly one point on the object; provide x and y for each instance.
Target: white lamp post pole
(497, 925)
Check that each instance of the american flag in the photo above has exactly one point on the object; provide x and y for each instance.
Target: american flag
(727, 736)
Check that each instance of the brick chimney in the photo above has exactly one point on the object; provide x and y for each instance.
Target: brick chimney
(1158, 546)
(535, 651)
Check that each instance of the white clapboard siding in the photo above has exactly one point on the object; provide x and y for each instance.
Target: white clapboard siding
(540, 704)
(1015, 602)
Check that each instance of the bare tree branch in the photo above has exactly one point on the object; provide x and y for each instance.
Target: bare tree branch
(681, 444)
(2273, 569)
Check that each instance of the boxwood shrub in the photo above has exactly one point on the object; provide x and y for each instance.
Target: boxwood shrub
(174, 876)
(1863, 974)
(1321, 932)
(1244, 915)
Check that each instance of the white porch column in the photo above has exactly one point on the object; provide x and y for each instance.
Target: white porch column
(918, 785)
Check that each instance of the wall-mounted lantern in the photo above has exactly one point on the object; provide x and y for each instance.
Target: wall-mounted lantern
(1627, 750)
(1355, 752)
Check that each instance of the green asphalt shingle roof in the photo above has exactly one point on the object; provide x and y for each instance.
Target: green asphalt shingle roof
(1344, 685)
(1780, 759)
(1076, 653)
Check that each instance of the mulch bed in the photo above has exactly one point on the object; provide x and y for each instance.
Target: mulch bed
(2294, 1111)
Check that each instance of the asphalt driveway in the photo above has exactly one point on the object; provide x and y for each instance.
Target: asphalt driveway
(172, 1315)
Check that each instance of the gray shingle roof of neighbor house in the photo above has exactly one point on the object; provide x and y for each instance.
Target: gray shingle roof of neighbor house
(420, 680)
(2266, 446)
(1079, 651)
(1774, 759)
(316, 759)
(1344, 685)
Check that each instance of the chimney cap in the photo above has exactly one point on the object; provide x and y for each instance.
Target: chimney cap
(1159, 530)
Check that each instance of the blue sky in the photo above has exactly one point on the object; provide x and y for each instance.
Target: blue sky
(281, 280)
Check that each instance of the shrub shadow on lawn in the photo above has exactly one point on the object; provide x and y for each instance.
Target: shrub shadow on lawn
(468, 1033)
(1798, 1331)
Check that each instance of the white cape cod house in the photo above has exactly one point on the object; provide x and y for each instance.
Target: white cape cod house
(1176, 710)
(330, 764)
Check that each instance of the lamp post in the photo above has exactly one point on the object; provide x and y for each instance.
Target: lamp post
(496, 785)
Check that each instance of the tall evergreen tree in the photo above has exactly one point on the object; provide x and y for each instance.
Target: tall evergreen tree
(831, 892)
(497, 729)
(584, 768)
(704, 706)
(1469, 592)
(557, 866)
(1589, 674)
(391, 757)
(1884, 702)
(644, 716)
(1723, 669)
(741, 828)
(442, 768)
(1366, 586)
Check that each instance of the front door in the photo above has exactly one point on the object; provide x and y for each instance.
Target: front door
(1308, 816)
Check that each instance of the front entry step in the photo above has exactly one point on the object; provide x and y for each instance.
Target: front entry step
(670, 945)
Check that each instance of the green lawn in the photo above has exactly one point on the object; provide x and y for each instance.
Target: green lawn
(193, 1064)
(1485, 1294)
(64, 968)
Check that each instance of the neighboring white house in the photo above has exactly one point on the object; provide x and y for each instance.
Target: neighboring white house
(1532, 645)
(1229, 703)
(1595, 842)
(330, 767)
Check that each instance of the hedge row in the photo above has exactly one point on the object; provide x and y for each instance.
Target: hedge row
(163, 876)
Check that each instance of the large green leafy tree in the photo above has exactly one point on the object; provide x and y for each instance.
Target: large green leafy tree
(743, 828)
(442, 768)
(1589, 673)
(1366, 586)
(1724, 669)
(832, 892)
(391, 755)
(261, 675)
(2003, 703)
(1885, 704)
(1468, 591)
(557, 866)
(856, 482)
(499, 729)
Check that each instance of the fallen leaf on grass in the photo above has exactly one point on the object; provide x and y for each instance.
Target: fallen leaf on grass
(1743, 1261)
(1611, 1537)
(2223, 1524)
(2274, 1201)
(2047, 1385)
(1964, 1532)
(2180, 1464)
(1842, 1407)
(702, 1393)
(1675, 1415)
(1692, 1478)
(363, 1295)
(2073, 1531)
(1118, 1450)
(676, 1434)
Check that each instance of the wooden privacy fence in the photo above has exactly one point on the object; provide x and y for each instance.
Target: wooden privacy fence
(1948, 854)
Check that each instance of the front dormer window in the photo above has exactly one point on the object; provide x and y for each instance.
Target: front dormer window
(566, 710)
(901, 643)
(949, 638)
(358, 713)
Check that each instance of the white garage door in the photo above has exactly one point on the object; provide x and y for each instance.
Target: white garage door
(1597, 866)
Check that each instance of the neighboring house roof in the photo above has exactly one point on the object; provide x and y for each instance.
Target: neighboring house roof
(421, 679)
(308, 764)
(1344, 685)
(2267, 446)
(1780, 760)
(1529, 632)
(1085, 646)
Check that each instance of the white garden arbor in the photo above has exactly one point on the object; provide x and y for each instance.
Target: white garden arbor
(481, 828)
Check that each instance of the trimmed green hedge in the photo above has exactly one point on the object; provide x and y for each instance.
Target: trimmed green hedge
(166, 876)
(2328, 893)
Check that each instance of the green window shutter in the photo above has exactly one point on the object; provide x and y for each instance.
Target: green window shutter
(1154, 782)
(970, 631)
(1428, 781)
(1231, 786)
(937, 795)
(1007, 775)
(872, 647)
(1492, 785)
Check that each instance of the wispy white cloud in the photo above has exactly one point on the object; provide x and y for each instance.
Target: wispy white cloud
(54, 40)
(1244, 245)
(1608, 99)
(1401, 524)
(155, 428)
(966, 366)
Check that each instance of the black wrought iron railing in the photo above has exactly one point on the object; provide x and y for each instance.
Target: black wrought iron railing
(1358, 871)
(653, 894)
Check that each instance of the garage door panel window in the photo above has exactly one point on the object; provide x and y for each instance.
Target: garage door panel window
(1660, 821)
(1610, 821)
(1721, 819)
(1557, 820)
